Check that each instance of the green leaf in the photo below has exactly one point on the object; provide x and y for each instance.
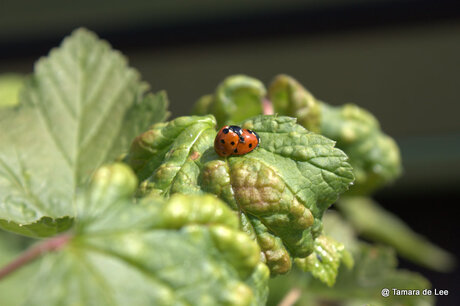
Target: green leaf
(340, 230)
(203, 105)
(280, 190)
(169, 152)
(324, 262)
(373, 222)
(374, 156)
(290, 98)
(80, 109)
(187, 250)
(374, 269)
(10, 84)
(237, 98)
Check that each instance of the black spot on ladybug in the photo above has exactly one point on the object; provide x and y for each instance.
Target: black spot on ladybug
(250, 145)
(235, 151)
(242, 139)
(233, 143)
(225, 131)
(223, 141)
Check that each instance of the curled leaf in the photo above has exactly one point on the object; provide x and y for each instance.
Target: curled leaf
(280, 190)
(238, 97)
(374, 156)
(169, 154)
(290, 98)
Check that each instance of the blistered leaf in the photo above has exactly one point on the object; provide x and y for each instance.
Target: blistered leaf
(325, 260)
(374, 156)
(169, 153)
(290, 98)
(81, 108)
(187, 250)
(237, 98)
(280, 190)
(373, 222)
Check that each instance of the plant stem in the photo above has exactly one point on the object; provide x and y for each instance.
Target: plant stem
(35, 251)
(291, 297)
(267, 107)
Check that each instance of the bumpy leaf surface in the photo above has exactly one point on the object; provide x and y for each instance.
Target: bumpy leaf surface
(373, 155)
(280, 190)
(81, 108)
(290, 98)
(187, 250)
(325, 261)
(237, 98)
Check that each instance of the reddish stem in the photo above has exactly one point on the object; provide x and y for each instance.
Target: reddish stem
(49, 245)
(267, 107)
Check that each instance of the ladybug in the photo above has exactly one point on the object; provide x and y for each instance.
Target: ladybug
(233, 140)
(227, 140)
(249, 142)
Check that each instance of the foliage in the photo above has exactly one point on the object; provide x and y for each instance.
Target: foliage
(80, 109)
(373, 155)
(172, 222)
(10, 84)
(374, 269)
(123, 253)
(280, 190)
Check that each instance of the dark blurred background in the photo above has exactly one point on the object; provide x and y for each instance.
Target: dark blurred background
(398, 59)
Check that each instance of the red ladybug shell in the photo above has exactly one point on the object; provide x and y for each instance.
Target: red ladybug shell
(249, 142)
(227, 140)
(233, 140)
